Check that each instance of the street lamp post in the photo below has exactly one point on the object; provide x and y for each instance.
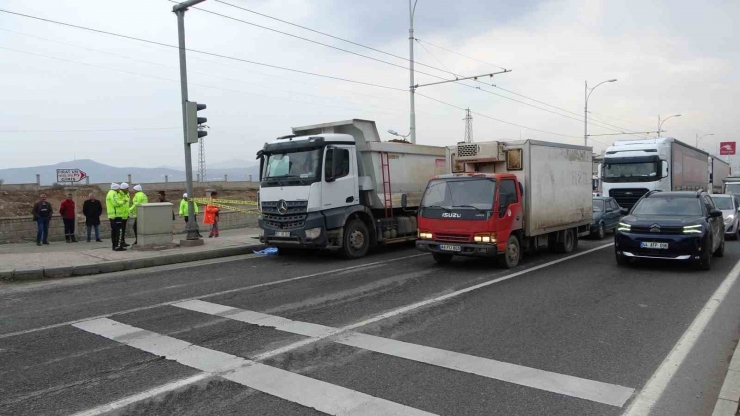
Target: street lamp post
(660, 123)
(412, 88)
(699, 138)
(587, 94)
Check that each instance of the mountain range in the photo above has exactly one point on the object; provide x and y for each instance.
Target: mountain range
(237, 170)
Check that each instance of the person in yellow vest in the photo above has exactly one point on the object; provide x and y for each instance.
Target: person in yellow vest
(184, 208)
(139, 198)
(125, 210)
(113, 206)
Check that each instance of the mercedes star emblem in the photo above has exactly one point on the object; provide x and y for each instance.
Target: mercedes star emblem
(282, 207)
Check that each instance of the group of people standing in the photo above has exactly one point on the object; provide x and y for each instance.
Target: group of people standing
(120, 207)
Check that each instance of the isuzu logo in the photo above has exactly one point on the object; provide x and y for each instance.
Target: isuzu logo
(655, 228)
(451, 215)
(282, 207)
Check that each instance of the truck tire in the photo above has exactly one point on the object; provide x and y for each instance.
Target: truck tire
(512, 253)
(442, 258)
(356, 240)
(569, 242)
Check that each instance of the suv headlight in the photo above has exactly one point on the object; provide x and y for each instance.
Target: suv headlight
(692, 229)
(624, 227)
(729, 219)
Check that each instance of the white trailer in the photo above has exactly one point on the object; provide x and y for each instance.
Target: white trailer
(336, 186)
(719, 170)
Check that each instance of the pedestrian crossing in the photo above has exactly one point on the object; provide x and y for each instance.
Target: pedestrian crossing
(323, 396)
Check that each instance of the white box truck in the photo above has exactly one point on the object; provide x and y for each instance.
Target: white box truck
(336, 186)
(502, 198)
(632, 168)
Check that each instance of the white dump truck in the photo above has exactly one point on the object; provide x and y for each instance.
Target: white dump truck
(500, 198)
(336, 186)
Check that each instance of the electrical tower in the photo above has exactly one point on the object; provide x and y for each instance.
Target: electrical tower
(468, 126)
(202, 159)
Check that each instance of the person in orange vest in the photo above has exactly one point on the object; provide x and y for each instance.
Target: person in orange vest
(211, 216)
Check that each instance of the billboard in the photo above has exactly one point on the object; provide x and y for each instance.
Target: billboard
(726, 148)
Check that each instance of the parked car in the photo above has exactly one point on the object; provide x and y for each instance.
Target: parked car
(674, 226)
(606, 216)
(730, 207)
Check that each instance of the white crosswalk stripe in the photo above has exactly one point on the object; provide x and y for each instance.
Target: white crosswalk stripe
(320, 395)
(526, 376)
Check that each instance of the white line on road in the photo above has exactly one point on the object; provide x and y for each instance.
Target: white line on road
(653, 390)
(223, 292)
(395, 312)
(581, 388)
(306, 391)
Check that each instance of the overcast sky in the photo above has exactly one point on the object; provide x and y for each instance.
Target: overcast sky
(670, 57)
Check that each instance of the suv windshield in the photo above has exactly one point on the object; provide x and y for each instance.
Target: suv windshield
(304, 164)
(722, 202)
(630, 172)
(732, 188)
(668, 206)
(460, 193)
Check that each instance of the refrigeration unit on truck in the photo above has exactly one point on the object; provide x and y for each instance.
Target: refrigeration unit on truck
(633, 168)
(336, 186)
(500, 199)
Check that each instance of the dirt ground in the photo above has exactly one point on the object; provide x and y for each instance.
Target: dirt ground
(20, 203)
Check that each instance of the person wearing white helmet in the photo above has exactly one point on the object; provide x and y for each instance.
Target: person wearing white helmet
(113, 205)
(138, 199)
(123, 194)
(184, 208)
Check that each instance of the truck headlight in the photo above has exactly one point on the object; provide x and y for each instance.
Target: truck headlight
(313, 233)
(692, 229)
(485, 238)
(425, 235)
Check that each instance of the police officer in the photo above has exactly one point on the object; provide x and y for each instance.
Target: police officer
(125, 210)
(113, 204)
(139, 198)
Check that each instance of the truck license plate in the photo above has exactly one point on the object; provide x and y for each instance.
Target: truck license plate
(448, 247)
(662, 246)
(282, 233)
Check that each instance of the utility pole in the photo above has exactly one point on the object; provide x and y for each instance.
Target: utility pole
(179, 10)
(468, 126)
(412, 88)
(202, 158)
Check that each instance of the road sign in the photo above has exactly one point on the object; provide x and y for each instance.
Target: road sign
(70, 175)
(727, 148)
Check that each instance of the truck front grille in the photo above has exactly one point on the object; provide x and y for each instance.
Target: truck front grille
(293, 207)
(626, 198)
(454, 238)
(293, 217)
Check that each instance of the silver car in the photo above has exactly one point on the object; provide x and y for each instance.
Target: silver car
(730, 207)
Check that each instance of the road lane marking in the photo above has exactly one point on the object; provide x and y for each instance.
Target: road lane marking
(223, 292)
(299, 344)
(658, 382)
(581, 388)
(320, 395)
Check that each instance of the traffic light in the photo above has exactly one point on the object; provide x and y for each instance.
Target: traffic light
(193, 122)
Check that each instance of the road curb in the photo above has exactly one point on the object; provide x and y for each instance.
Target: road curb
(729, 397)
(27, 274)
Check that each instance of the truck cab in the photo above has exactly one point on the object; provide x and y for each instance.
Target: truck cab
(470, 214)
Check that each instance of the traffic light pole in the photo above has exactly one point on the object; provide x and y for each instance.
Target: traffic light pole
(192, 225)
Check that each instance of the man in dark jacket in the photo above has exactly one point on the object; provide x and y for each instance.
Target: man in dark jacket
(69, 216)
(42, 215)
(93, 209)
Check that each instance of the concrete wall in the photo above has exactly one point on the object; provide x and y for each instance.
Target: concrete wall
(23, 229)
(154, 186)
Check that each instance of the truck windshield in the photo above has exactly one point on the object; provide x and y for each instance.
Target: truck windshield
(303, 165)
(668, 206)
(631, 172)
(732, 188)
(460, 193)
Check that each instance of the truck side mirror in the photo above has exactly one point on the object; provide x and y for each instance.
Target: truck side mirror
(664, 168)
(404, 201)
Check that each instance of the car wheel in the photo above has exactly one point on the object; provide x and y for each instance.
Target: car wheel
(621, 260)
(442, 258)
(512, 254)
(356, 240)
(705, 263)
(720, 252)
(601, 233)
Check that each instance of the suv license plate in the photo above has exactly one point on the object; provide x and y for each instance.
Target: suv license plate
(282, 233)
(662, 246)
(448, 247)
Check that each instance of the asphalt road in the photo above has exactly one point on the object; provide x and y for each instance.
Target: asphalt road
(392, 333)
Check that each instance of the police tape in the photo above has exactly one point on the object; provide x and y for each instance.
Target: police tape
(222, 201)
(230, 208)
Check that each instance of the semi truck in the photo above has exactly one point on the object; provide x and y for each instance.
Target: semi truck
(632, 168)
(500, 199)
(731, 185)
(336, 186)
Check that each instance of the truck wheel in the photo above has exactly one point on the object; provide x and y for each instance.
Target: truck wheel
(356, 240)
(512, 254)
(442, 258)
(569, 242)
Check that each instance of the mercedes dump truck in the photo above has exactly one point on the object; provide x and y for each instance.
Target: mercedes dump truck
(500, 199)
(336, 186)
(632, 168)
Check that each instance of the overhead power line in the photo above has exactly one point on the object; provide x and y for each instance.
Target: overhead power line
(457, 53)
(89, 130)
(201, 52)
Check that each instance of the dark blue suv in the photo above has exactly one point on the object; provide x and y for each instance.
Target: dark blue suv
(674, 226)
